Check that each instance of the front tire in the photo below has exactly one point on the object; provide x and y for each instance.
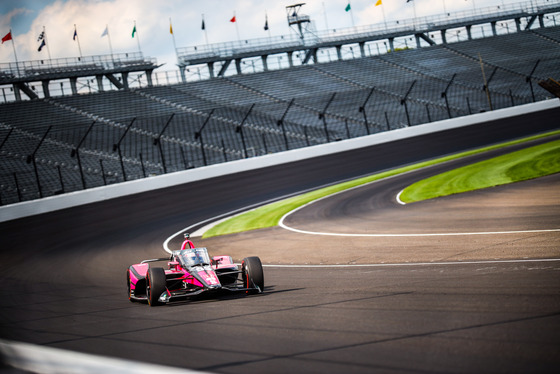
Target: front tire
(253, 275)
(128, 286)
(155, 285)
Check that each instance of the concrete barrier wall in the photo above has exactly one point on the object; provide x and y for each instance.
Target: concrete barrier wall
(53, 203)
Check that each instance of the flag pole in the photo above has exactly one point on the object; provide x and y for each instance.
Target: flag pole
(384, 19)
(173, 37)
(205, 32)
(351, 14)
(78, 40)
(15, 54)
(137, 37)
(46, 42)
(266, 23)
(325, 14)
(109, 39)
(414, 8)
(236, 27)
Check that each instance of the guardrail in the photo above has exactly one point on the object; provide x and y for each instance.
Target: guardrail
(420, 24)
(22, 69)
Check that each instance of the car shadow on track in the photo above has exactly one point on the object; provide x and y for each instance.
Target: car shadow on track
(226, 295)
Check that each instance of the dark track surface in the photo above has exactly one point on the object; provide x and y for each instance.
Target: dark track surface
(63, 285)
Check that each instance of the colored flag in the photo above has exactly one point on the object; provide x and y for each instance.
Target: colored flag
(378, 3)
(75, 34)
(41, 36)
(107, 31)
(232, 19)
(408, 1)
(266, 23)
(170, 28)
(348, 7)
(134, 31)
(7, 37)
(41, 46)
(203, 26)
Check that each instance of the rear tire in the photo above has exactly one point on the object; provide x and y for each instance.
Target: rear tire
(155, 285)
(253, 275)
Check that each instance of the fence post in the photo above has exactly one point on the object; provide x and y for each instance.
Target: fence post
(529, 79)
(322, 116)
(103, 172)
(224, 150)
(403, 102)
(264, 144)
(117, 147)
(198, 135)
(31, 158)
(17, 187)
(281, 122)
(76, 152)
(157, 142)
(387, 120)
(444, 95)
(239, 130)
(362, 109)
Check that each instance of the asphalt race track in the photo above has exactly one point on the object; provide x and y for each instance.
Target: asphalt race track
(406, 304)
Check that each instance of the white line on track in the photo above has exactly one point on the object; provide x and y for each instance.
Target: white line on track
(398, 198)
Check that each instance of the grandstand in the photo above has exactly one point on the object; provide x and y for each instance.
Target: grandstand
(58, 144)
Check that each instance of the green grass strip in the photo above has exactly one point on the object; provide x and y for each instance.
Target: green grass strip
(269, 215)
(517, 166)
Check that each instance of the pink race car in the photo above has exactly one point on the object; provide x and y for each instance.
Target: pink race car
(191, 272)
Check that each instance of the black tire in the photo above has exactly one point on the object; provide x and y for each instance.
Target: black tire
(253, 275)
(155, 285)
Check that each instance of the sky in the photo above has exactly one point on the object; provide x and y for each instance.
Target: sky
(27, 18)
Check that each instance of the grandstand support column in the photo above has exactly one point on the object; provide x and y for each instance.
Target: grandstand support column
(99, 79)
(46, 92)
(392, 44)
(124, 76)
(149, 77)
(518, 24)
(493, 25)
(291, 59)
(541, 20)
(443, 38)
(73, 85)
(362, 49)
(211, 69)
(338, 52)
(469, 33)
(17, 93)
(182, 72)
(264, 61)
(238, 65)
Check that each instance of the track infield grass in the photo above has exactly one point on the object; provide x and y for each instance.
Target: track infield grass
(526, 164)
